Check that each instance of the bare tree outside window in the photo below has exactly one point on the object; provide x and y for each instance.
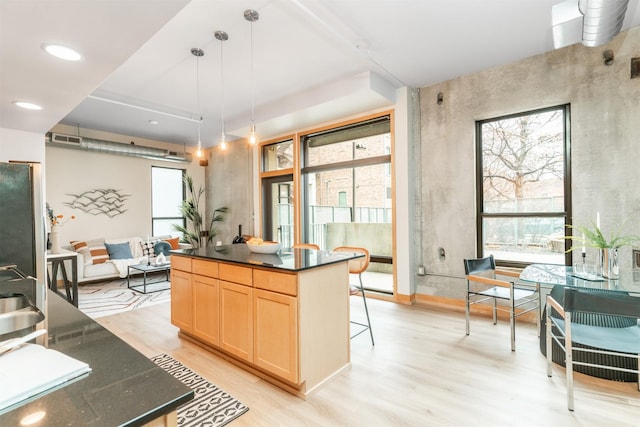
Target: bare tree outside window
(522, 201)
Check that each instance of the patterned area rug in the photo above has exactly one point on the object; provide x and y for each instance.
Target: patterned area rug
(112, 297)
(210, 407)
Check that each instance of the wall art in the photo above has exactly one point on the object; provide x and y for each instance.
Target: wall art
(100, 201)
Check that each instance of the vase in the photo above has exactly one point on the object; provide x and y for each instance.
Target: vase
(55, 241)
(610, 263)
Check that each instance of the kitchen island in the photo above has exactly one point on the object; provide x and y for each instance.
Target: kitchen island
(124, 388)
(284, 317)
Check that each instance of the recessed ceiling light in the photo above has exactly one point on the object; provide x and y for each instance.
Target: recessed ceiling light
(153, 122)
(27, 105)
(62, 52)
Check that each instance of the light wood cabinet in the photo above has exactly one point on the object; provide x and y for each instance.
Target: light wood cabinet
(236, 319)
(289, 327)
(275, 333)
(181, 300)
(206, 309)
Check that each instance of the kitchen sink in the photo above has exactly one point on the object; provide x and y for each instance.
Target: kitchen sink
(17, 312)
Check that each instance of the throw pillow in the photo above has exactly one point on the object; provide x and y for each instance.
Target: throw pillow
(174, 242)
(147, 247)
(119, 250)
(162, 248)
(93, 251)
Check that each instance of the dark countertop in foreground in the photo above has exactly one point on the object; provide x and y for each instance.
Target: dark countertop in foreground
(125, 388)
(285, 259)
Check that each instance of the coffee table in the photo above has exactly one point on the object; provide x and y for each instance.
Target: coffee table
(146, 269)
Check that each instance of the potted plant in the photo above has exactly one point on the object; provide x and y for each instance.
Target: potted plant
(608, 248)
(197, 233)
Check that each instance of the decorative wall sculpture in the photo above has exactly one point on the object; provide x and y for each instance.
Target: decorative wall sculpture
(100, 201)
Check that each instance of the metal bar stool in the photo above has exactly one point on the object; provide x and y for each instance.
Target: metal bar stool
(358, 266)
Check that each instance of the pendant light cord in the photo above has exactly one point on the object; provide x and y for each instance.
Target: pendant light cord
(251, 69)
(222, 87)
(198, 98)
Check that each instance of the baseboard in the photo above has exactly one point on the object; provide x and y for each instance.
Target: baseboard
(457, 305)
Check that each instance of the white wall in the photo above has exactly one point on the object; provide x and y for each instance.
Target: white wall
(72, 172)
(21, 145)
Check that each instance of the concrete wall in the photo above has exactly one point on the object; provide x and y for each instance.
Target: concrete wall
(377, 238)
(230, 183)
(605, 146)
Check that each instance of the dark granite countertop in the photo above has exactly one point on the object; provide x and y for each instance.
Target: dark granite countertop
(124, 388)
(292, 260)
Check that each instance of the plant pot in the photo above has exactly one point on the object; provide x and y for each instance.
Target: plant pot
(610, 263)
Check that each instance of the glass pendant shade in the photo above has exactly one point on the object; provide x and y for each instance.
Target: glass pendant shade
(253, 136)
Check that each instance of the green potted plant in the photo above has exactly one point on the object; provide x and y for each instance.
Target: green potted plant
(197, 233)
(608, 248)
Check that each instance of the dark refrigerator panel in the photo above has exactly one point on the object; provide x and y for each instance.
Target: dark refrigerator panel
(17, 217)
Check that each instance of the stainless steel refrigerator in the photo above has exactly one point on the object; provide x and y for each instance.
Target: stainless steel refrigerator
(22, 223)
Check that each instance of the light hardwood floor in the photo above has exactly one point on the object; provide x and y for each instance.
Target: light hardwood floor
(423, 371)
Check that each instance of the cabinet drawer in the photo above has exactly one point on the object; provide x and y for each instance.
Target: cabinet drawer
(205, 268)
(236, 274)
(277, 282)
(182, 263)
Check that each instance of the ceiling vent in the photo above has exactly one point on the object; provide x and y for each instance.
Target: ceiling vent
(66, 139)
(111, 147)
(592, 22)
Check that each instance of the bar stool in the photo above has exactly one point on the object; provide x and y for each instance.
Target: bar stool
(358, 266)
(306, 246)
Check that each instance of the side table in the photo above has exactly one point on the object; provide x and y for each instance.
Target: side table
(57, 264)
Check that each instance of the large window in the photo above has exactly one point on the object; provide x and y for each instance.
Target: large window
(167, 194)
(347, 192)
(523, 187)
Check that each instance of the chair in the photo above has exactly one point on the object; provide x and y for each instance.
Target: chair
(482, 272)
(358, 266)
(306, 246)
(607, 339)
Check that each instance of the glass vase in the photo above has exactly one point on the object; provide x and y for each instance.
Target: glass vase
(610, 263)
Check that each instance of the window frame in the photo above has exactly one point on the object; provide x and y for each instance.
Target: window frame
(184, 197)
(384, 118)
(566, 214)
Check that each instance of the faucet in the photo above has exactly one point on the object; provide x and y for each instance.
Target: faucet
(14, 268)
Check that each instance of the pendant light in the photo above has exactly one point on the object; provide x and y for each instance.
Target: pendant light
(197, 52)
(252, 16)
(222, 36)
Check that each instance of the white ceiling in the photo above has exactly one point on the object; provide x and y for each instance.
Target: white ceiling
(312, 60)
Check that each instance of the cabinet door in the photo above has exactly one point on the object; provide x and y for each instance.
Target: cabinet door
(206, 309)
(181, 300)
(236, 319)
(275, 332)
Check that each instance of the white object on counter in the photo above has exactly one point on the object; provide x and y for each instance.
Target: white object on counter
(265, 248)
(32, 369)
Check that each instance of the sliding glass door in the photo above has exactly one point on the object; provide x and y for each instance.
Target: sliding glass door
(347, 193)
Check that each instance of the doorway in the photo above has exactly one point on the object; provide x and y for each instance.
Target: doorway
(277, 203)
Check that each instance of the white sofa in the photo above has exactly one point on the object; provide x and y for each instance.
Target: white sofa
(88, 271)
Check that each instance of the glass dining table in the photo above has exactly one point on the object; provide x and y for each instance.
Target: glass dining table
(558, 277)
(551, 275)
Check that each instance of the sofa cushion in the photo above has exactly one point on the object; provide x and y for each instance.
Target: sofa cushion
(119, 250)
(93, 251)
(147, 247)
(162, 247)
(174, 242)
